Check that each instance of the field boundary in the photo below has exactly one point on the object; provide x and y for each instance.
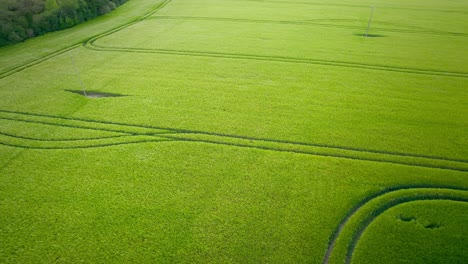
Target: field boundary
(183, 135)
(433, 195)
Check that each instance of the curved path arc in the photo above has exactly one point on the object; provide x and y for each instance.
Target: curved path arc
(358, 234)
(376, 212)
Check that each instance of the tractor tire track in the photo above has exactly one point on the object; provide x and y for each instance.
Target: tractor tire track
(41, 59)
(168, 131)
(357, 234)
(117, 29)
(357, 6)
(37, 61)
(322, 22)
(126, 129)
(66, 125)
(323, 154)
(182, 135)
(91, 44)
(85, 146)
(59, 140)
(354, 65)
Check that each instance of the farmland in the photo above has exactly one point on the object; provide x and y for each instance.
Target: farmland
(239, 131)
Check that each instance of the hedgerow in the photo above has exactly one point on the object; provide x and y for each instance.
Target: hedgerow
(23, 19)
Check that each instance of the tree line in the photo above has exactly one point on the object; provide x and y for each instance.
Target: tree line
(23, 19)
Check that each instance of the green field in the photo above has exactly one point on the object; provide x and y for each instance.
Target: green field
(245, 131)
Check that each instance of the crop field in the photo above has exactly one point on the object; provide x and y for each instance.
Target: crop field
(239, 131)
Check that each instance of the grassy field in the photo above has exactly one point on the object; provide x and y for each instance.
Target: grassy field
(246, 132)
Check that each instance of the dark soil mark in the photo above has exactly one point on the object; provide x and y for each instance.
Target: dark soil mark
(94, 94)
(406, 218)
(433, 226)
(369, 35)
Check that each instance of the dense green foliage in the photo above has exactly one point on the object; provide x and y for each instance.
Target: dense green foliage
(248, 132)
(22, 19)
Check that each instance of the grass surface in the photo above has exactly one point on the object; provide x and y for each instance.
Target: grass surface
(413, 233)
(251, 131)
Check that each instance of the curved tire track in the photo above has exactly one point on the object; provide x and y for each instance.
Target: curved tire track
(37, 61)
(183, 135)
(167, 130)
(357, 234)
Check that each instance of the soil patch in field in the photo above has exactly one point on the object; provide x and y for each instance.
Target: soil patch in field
(369, 35)
(94, 94)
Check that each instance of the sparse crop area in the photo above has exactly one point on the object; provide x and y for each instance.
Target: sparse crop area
(239, 131)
